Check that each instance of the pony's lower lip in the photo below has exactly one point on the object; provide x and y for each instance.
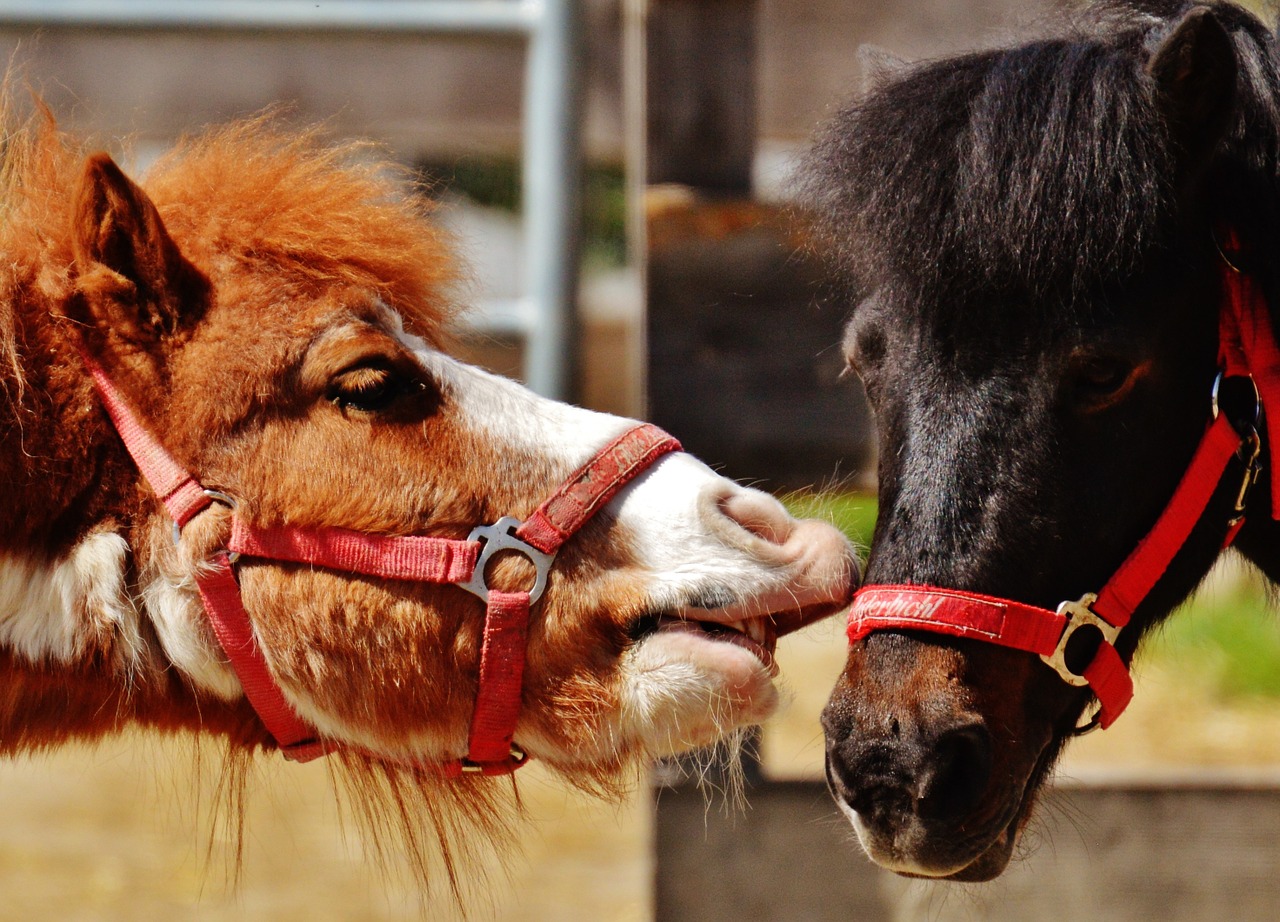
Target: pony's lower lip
(991, 862)
(755, 636)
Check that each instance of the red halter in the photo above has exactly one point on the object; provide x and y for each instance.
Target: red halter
(1247, 349)
(491, 749)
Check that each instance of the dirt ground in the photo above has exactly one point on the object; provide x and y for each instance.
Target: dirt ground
(114, 833)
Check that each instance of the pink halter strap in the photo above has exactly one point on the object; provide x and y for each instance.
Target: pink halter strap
(491, 747)
(1247, 349)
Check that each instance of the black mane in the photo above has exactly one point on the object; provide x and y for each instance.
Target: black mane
(1038, 173)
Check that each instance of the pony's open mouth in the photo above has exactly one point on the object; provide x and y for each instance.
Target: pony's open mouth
(755, 635)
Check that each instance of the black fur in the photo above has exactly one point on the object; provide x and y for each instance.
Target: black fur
(1009, 227)
(1042, 172)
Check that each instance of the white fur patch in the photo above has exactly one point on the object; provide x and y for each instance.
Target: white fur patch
(518, 419)
(173, 604)
(673, 702)
(59, 611)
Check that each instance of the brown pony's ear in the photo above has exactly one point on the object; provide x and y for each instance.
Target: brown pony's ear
(130, 271)
(1195, 74)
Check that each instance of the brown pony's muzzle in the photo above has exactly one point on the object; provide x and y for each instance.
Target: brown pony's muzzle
(932, 787)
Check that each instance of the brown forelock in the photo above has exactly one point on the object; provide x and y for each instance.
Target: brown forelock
(306, 213)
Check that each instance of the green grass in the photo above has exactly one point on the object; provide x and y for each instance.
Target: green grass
(852, 513)
(1228, 639)
(1225, 639)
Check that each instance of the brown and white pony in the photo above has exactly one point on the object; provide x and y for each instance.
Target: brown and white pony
(277, 316)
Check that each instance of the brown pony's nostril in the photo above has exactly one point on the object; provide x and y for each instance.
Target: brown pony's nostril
(959, 768)
(760, 514)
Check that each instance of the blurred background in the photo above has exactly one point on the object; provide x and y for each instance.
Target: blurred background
(684, 296)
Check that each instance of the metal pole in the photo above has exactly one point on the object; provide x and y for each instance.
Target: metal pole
(635, 109)
(551, 135)
(461, 16)
(552, 170)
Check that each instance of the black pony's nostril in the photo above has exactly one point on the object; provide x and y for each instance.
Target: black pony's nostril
(956, 774)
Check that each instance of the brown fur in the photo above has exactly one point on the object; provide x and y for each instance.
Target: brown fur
(248, 302)
(210, 308)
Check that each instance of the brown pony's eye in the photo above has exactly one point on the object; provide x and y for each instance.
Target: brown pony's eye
(370, 388)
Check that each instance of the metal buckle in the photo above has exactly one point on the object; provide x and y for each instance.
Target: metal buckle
(1078, 614)
(1250, 448)
(515, 759)
(500, 536)
(218, 497)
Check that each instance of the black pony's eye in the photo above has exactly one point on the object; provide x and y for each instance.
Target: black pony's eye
(1100, 380)
(1102, 375)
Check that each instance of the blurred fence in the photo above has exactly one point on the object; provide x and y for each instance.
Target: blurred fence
(544, 315)
(1190, 849)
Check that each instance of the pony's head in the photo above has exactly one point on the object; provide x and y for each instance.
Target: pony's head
(1027, 236)
(277, 318)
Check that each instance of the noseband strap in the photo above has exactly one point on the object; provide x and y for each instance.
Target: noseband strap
(491, 747)
(1247, 350)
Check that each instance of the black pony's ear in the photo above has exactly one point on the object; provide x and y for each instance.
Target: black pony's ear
(133, 278)
(1195, 74)
(879, 66)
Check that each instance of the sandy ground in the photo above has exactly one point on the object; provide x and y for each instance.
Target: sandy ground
(114, 832)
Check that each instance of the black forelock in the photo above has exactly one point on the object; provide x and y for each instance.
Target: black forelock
(1037, 173)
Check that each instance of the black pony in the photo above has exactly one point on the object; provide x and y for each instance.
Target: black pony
(1032, 239)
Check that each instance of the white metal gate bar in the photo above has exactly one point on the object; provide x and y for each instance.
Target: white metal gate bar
(544, 315)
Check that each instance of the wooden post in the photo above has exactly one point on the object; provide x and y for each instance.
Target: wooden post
(701, 85)
(743, 358)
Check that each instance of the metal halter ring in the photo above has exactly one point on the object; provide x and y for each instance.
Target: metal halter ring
(216, 496)
(1078, 614)
(500, 536)
(1251, 425)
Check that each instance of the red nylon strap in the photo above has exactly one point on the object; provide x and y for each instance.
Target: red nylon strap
(493, 721)
(591, 486)
(1247, 346)
(1038, 630)
(955, 613)
(1142, 569)
(181, 495)
(998, 621)
(431, 560)
(221, 596)
(427, 559)
(1111, 683)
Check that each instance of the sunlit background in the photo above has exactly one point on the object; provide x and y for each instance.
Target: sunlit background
(125, 830)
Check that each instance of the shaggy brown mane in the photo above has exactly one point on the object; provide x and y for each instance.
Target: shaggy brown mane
(316, 213)
(253, 191)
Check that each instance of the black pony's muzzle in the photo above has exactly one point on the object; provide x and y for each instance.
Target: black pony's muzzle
(916, 791)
